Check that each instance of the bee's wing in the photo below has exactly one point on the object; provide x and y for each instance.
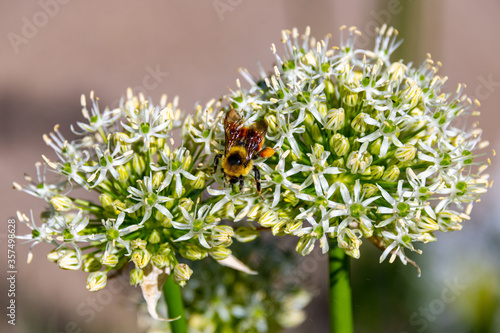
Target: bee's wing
(234, 130)
(255, 136)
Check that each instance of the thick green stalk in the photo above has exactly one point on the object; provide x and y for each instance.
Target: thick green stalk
(340, 290)
(173, 297)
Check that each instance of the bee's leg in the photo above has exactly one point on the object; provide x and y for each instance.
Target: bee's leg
(257, 178)
(216, 162)
(242, 182)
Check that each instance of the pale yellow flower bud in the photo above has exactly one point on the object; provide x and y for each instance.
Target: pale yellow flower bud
(305, 245)
(200, 180)
(96, 281)
(136, 276)
(406, 153)
(358, 123)
(316, 134)
(318, 150)
(220, 252)
(336, 118)
(391, 174)
(138, 164)
(157, 179)
(182, 273)
(222, 235)
(91, 264)
(160, 260)
(246, 234)
(192, 252)
(376, 171)
(340, 144)
(141, 258)
(154, 237)
(269, 219)
(109, 259)
(138, 243)
(69, 261)
(123, 173)
(61, 203)
(293, 226)
(369, 190)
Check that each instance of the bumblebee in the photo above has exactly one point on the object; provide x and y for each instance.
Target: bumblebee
(243, 145)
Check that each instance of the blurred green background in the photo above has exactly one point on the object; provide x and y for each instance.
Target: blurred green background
(54, 50)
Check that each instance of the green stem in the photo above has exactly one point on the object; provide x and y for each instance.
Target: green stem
(173, 297)
(340, 290)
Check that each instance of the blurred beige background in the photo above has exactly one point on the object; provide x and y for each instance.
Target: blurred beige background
(51, 51)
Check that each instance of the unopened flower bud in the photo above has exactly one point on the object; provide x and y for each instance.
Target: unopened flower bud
(358, 123)
(69, 261)
(192, 252)
(271, 123)
(61, 203)
(106, 201)
(246, 234)
(269, 219)
(160, 260)
(138, 243)
(222, 235)
(157, 179)
(109, 259)
(406, 153)
(375, 146)
(376, 171)
(307, 139)
(318, 150)
(141, 258)
(182, 273)
(136, 276)
(335, 119)
(369, 190)
(186, 203)
(154, 237)
(293, 226)
(91, 264)
(96, 281)
(340, 144)
(220, 252)
(138, 164)
(391, 174)
(316, 134)
(305, 245)
(339, 163)
(351, 99)
(123, 173)
(200, 180)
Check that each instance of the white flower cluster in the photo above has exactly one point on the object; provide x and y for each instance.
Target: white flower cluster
(151, 209)
(367, 147)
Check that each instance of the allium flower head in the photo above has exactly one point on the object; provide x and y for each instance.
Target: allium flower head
(366, 146)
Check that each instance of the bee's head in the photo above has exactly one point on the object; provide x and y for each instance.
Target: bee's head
(235, 159)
